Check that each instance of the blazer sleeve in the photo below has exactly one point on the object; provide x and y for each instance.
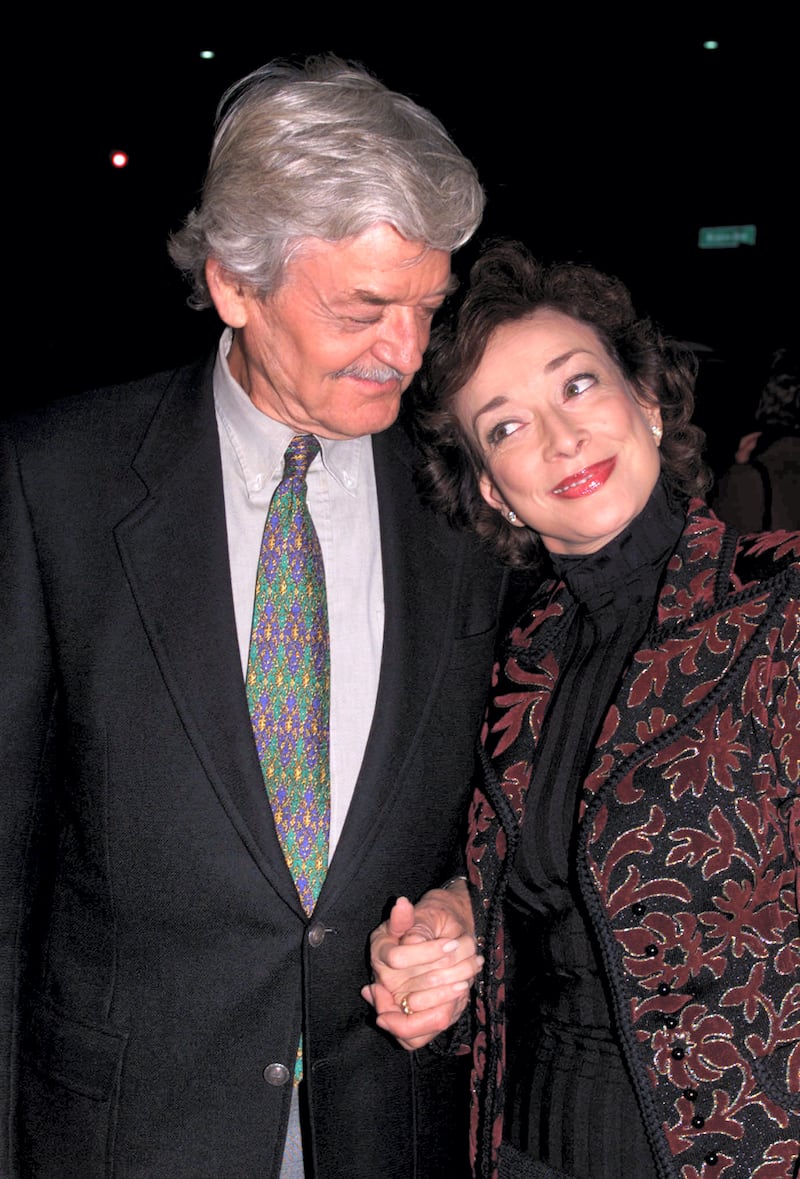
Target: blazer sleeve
(27, 708)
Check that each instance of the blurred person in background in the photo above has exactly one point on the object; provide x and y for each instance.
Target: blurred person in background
(761, 490)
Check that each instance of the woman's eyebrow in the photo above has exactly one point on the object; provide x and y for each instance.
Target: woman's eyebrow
(495, 402)
(557, 361)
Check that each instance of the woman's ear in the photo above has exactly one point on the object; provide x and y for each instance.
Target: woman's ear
(496, 501)
(648, 403)
(653, 415)
(489, 493)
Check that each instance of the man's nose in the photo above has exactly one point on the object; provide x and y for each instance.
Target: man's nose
(403, 339)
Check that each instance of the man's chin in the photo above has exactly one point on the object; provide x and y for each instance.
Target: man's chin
(378, 420)
(371, 417)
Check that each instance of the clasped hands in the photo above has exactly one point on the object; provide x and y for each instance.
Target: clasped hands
(424, 959)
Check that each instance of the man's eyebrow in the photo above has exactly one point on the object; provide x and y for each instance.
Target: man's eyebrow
(374, 300)
(359, 296)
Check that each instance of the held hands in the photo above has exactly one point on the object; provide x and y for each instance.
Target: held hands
(424, 959)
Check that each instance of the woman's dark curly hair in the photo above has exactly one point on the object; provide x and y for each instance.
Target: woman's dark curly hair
(508, 284)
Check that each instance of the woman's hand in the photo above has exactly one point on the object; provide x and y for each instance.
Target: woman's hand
(424, 959)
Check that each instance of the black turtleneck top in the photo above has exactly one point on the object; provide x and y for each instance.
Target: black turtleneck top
(572, 1107)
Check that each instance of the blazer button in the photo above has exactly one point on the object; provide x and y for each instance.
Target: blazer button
(276, 1074)
(316, 934)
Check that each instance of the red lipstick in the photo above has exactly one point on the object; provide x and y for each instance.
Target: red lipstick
(585, 482)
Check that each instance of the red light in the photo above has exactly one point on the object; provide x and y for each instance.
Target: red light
(119, 159)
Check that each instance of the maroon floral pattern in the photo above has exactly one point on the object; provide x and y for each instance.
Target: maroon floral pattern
(688, 841)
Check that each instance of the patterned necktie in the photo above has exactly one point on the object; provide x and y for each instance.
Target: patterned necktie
(288, 675)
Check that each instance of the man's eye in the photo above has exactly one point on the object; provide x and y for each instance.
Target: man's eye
(500, 431)
(578, 385)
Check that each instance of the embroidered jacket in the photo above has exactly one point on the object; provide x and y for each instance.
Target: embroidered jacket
(688, 849)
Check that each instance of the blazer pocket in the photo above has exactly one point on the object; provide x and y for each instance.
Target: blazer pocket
(69, 1083)
(473, 651)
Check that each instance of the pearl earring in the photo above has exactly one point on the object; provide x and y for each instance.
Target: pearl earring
(511, 516)
(656, 431)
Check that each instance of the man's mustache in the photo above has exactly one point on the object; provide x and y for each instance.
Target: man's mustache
(372, 372)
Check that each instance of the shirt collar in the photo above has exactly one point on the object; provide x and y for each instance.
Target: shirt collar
(259, 441)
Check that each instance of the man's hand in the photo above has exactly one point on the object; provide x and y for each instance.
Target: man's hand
(424, 959)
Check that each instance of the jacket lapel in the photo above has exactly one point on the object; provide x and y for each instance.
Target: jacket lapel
(525, 677)
(421, 574)
(174, 550)
(703, 622)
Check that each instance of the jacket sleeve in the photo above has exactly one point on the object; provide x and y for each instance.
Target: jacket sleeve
(26, 723)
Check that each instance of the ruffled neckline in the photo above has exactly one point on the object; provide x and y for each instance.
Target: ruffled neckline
(628, 568)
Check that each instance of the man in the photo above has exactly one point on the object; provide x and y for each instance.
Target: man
(165, 972)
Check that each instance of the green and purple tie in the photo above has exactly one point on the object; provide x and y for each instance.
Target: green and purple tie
(288, 675)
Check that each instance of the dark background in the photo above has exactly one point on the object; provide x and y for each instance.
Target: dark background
(611, 143)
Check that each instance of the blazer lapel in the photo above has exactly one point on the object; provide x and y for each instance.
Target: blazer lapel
(421, 572)
(174, 550)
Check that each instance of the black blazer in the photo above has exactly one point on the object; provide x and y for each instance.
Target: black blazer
(155, 956)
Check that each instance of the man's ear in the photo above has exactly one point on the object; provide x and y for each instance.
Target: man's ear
(228, 293)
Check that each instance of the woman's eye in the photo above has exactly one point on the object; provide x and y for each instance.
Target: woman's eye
(500, 431)
(578, 385)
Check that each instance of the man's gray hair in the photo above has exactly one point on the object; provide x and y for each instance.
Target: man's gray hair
(325, 151)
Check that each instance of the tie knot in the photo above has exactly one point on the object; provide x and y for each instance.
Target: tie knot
(299, 455)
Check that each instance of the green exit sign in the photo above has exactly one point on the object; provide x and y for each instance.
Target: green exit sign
(726, 237)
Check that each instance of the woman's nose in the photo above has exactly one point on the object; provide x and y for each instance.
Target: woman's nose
(563, 435)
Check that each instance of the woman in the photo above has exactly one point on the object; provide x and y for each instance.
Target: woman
(633, 839)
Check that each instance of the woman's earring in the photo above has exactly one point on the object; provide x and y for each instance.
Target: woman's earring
(511, 516)
(656, 431)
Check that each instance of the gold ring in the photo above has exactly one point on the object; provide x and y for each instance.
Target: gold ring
(404, 1005)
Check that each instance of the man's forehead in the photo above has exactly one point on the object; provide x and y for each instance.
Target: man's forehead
(377, 267)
